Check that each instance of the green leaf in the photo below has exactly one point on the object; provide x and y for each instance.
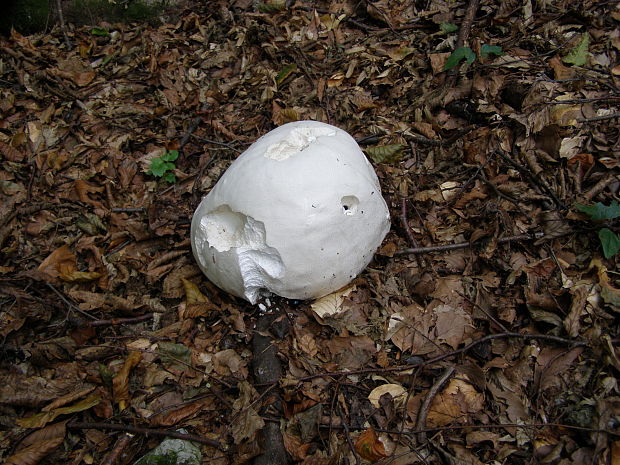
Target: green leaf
(170, 177)
(448, 27)
(487, 50)
(386, 153)
(286, 72)
(599, 212)
(97, 31)
(461, 53)
(172, 155)
(159, 167)
(578, 56)
(610, 242)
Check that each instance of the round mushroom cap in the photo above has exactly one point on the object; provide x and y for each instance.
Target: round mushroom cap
(298, 214)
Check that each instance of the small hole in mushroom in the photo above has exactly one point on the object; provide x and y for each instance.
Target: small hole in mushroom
(349, 204)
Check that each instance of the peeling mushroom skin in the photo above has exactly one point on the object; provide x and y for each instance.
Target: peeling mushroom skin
(297, 214)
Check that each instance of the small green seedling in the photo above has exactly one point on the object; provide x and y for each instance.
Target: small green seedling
(599, 212)
(162, 167)
(467, 54)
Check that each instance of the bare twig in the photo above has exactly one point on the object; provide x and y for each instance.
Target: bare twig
(428, 400)
(439, 358)
(536, 180)
(67, 303)
(147, 432)
(358, 460)
(464, 30)
(193, 125)
(128, 210)
(115, 321)
(599, 186)
(405, 222)
(489, 426)
(584, 100)
(441, 143)
(599, 118)
(63, 26)
(463, 245)
(120, 445)
(215, 142)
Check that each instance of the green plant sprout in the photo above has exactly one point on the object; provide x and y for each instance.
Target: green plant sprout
(162, 167)
(610, 241)
(467, 54)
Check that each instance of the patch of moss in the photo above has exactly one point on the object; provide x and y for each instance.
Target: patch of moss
(25, 16)
(119, 11)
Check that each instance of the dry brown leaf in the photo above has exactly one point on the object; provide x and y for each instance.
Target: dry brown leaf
(369, 447)
(398, 393)
(228, 363)
(572, 322)
(120, 383)
(11, 153)
(452, 325)
(60, 259)
(172, 415)
(455, 403)
(331, 304)
(246, 422)
(41, 419)
(75, 70)
(68, 398)
(33, 454)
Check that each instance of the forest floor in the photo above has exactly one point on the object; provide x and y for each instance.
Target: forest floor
(492, 128)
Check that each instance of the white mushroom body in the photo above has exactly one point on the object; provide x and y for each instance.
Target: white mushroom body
(298, 214)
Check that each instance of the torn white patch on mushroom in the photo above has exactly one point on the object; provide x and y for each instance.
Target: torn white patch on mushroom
(298, 140)
(227, 230)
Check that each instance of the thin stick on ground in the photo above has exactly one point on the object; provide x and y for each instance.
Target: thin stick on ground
(147, 432)
(463, 245)
(437, 429)
(464, 30)
(439, 358)
(428, 400)
(120, 445)
(441, 143)
(114, 321)
(63, 25)
(534, 178)
(358, 460)
(405, 222)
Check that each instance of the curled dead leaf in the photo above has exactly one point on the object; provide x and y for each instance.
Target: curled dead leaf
(369, 447)
(398, 393)
(120, 383)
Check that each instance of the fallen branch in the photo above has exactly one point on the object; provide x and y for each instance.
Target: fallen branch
(120, 445)
(441, 143)
(463, 245)
(428, 400)
(113, 321)
(535, 178)
(358, 461)
(438, 429)
(147, 432)
(506, 335)
(599, 118)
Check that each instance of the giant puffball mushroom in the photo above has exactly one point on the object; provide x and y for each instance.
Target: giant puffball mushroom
(298, 214)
